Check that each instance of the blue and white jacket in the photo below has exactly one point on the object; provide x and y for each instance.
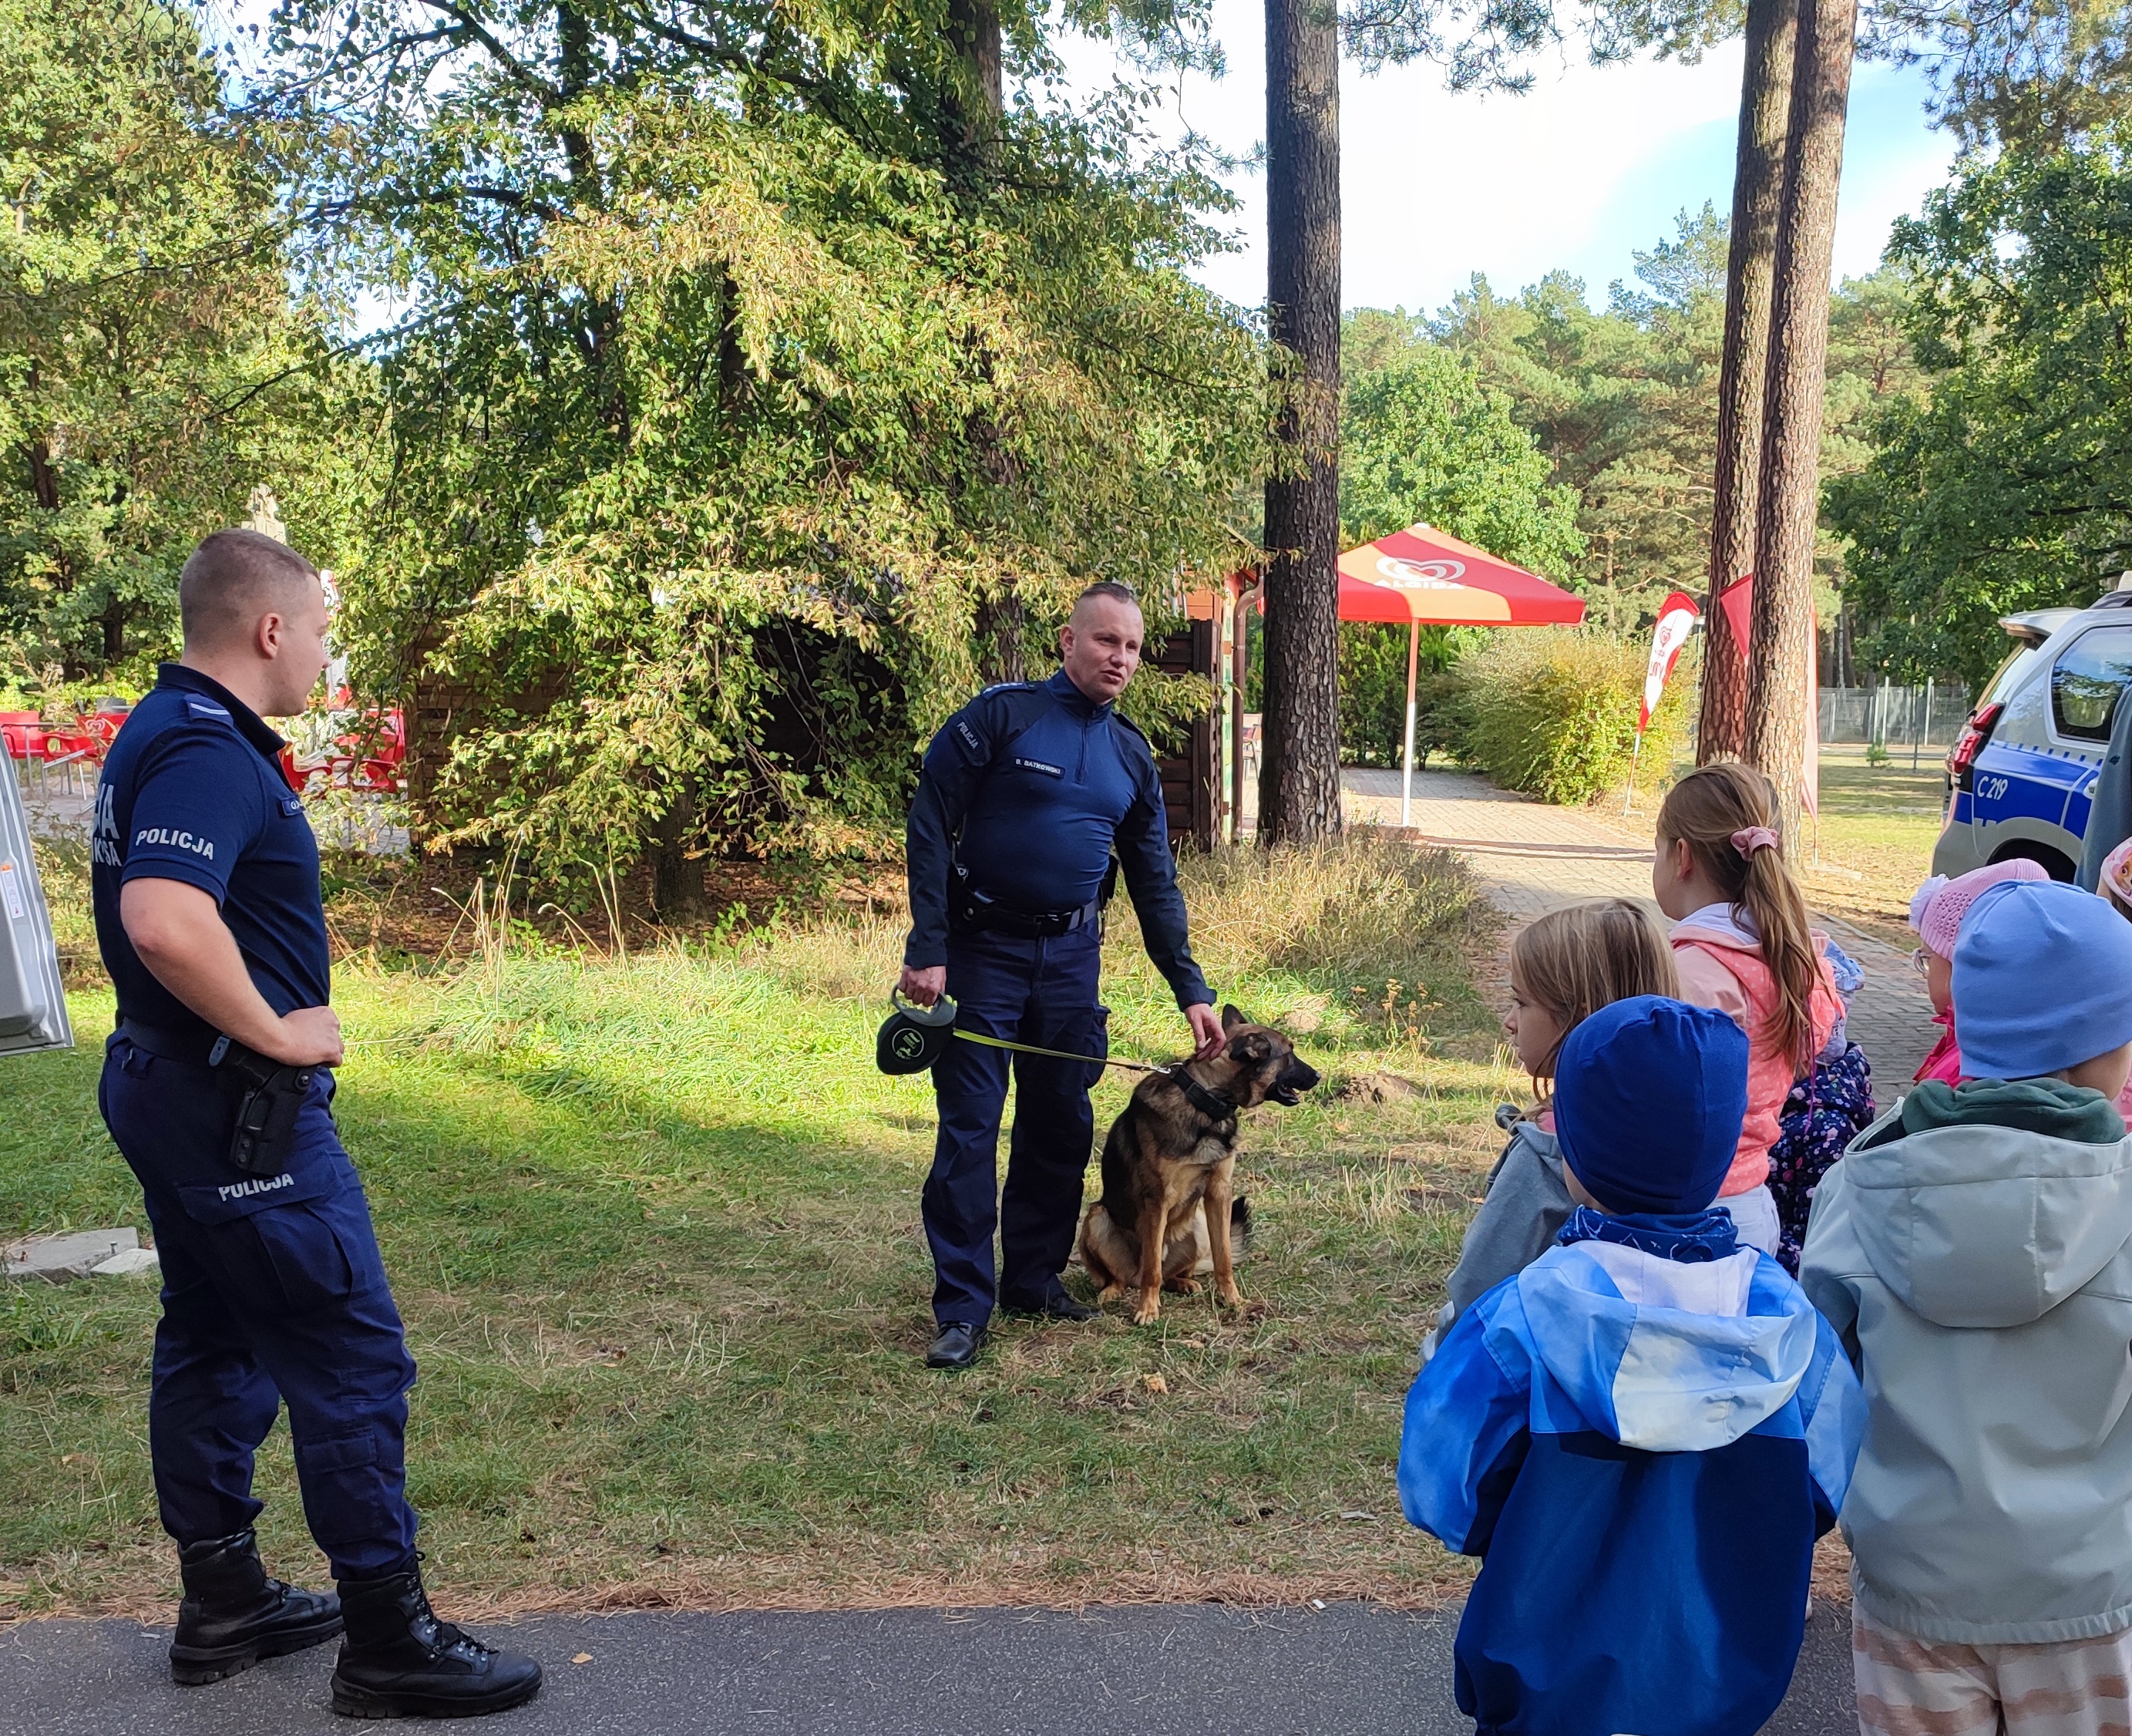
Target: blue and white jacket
(1642, 1433)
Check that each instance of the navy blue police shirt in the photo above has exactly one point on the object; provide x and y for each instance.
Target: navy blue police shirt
(193, 791)
(1030, 787)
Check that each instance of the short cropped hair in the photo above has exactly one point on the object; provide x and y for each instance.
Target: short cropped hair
(1110, 587)
(232, 578)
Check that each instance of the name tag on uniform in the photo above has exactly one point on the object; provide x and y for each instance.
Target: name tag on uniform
(1038, 765)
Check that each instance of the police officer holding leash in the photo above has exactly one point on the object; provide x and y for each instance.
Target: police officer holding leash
(217, 1086)
(1025, 792)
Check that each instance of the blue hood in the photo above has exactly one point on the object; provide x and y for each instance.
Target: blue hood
(1662, 1355)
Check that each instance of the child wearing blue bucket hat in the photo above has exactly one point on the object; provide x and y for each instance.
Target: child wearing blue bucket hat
(1643, 1432)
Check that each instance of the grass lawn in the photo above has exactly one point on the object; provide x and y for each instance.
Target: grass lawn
(1877, 827)
(654, 1226)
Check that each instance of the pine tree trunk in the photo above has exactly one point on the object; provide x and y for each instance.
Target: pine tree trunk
(1299, 783)
(1758, 185)
(1782, 653)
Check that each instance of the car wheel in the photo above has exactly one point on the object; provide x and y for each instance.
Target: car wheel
(2053, 862)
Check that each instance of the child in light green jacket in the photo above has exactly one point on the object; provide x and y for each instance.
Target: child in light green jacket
(1974, 1249)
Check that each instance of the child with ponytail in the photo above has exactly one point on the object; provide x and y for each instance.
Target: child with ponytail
(1741, 945)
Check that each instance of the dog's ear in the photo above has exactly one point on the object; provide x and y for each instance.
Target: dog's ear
(1250, 1048)
(1230, 1018)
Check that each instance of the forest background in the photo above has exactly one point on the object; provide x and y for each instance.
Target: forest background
(723, 392)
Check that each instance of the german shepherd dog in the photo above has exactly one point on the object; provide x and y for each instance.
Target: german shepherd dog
(1168, 1167)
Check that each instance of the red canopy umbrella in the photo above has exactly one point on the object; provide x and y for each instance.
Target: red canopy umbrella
(1421, 575)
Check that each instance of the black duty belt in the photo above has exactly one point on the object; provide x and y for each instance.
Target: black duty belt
(193, 1048)
(971, 909)
(968, 908)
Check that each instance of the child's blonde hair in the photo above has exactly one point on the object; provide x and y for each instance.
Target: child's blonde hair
(1582, 957)
(1705, 811)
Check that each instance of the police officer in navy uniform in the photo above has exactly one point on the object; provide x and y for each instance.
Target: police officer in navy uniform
(209, 917)
(1025, 793)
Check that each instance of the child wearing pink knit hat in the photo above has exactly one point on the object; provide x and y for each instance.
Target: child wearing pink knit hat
(1935, 913)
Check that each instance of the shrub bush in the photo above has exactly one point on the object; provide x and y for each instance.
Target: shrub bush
(1552, 712)
(1373, 692)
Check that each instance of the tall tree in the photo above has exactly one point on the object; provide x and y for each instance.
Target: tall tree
(1299, 782)
(2003, 481)
(1772, 30)
(153, 367)
(1780, 656)
(976, 104)
(701, 471)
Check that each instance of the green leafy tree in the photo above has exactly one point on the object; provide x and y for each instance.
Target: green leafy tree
(1423, 440)
(731, 387)
(153, 369)
(2005, 481)
(1624, 403)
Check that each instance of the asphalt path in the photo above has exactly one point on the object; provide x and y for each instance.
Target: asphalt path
(1187, 1670)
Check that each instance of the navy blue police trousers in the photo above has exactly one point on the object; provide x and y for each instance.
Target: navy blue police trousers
(273, 1291)
(1041, 991)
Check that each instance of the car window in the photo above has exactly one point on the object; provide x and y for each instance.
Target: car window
(2090, 675)
(2009, 673)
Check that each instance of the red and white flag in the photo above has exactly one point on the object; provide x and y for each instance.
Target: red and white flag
(1677, 618)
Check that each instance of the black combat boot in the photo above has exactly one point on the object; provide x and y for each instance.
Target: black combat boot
(399, 1660)
(233, 1615)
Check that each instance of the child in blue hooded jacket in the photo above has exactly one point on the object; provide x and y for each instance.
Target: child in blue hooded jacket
(1642, 1433)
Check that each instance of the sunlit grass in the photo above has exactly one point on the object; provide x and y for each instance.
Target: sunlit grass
(654, 1226)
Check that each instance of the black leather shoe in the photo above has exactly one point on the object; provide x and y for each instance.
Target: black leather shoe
(399, 1660)
(1055, 1304)
(957, 1346)
(233, 1614)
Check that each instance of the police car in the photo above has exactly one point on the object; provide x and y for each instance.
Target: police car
(2021, 774)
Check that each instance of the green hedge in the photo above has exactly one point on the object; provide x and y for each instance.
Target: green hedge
(1551, 711)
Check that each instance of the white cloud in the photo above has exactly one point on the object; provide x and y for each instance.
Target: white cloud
(1588, 166)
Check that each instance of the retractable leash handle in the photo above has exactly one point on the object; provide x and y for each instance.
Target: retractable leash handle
(912, 1038)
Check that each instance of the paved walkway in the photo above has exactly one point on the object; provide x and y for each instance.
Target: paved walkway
(1192, 1670)
(1533, 858)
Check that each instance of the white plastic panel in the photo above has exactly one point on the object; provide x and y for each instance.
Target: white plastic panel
(33, 1012)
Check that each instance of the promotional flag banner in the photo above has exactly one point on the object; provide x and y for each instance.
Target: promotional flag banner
(1677, 618)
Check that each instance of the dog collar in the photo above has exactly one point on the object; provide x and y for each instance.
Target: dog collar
(1211, 1104)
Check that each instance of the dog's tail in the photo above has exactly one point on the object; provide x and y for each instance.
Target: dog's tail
(1240, 1221)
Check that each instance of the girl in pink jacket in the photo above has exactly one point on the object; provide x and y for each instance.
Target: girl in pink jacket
(1741, 945)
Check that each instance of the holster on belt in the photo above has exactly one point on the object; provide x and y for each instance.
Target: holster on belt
(268, 1097)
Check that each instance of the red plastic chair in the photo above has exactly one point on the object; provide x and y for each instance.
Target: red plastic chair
(23, 732)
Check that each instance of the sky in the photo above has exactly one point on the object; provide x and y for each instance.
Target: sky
(1579, 173)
